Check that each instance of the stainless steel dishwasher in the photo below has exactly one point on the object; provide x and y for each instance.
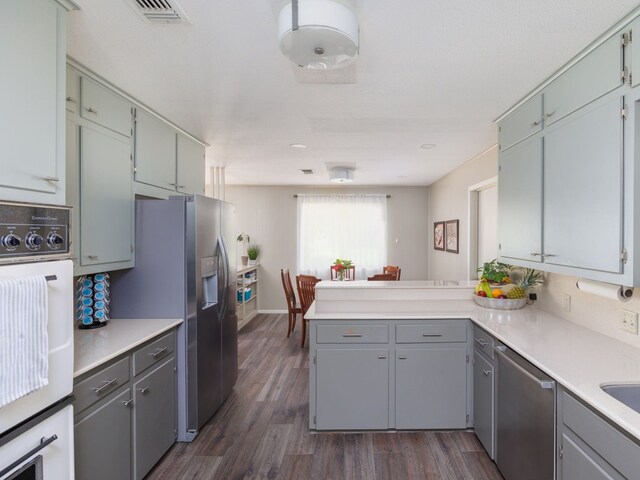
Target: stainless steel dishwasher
(525, 419)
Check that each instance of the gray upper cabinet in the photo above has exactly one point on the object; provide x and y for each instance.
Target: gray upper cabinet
(583, 175)
(105, 107)
(72, 97)
(32, 121)
(106, 215)
(633, 57)
(520, 202)
(598, 73)
(525, 121)
(190, 166)
(155, 151)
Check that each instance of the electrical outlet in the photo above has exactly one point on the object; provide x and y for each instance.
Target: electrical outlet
(566, 302)
(629, 321)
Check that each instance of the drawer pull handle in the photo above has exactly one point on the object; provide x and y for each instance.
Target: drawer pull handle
(106, 384)
(351, 335)
(172, 184)
(126, 403)
(486, 372)
(92, 257)
(72, 100)
(382, 356)
(431, 334)
(481, 342)
(158, 352)
(51, 179)
(144, 390)
(402, 358)
(535, 124)
(535, 254)
(180, 186)
(549, 115)
(92, 110)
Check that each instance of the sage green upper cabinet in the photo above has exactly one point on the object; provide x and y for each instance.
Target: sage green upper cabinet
(520, 201)
(155, 151)
(32, 124)
(106, 198)
(525, 121)
(72, 98)
(600, 72)
(632, 58)
(583, 178)
(104, 107)
(190, 167)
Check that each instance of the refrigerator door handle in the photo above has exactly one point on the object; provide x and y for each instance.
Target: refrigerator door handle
(225, 279)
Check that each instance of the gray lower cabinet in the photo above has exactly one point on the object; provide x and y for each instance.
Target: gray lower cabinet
(484, 402)
(352, 388)
(103, 440)
(431, 387)
(579, 462)
(126, 421)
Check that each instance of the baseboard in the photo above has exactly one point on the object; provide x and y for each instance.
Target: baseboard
(272, 311)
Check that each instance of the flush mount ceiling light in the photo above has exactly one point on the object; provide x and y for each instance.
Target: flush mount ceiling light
(297, 145)
(318, 34)
(341, 175)
(428, 146)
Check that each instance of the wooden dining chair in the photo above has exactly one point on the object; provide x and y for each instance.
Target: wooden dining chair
(307, 294)
(394, 270)
(292, 306)
(382, 277)
(349, 273)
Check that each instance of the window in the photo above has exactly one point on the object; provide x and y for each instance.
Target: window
(352, 227)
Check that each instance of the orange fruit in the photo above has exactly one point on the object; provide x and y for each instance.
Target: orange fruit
(497, 292)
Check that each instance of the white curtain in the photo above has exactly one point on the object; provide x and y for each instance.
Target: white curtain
(351, 227)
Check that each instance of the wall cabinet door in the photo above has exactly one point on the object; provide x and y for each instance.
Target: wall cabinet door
(190, 168)
(154, 417)
(525, 121)
(520, 202)
(583, 198)
(105, 107)
(632, 59)
(155, 151)
(578, 464)
(352, 388)
(483, 402)
(431, 387)
(32, 118)
(103, 441)
(106, 198)
(72, 97)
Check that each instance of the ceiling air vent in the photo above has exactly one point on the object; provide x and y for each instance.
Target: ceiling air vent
(306, 171)
(159, 11)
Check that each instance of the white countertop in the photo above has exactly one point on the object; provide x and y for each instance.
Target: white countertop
(97, 346)
(580, 359)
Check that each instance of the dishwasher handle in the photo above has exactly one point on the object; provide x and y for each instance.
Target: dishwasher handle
(544, 384)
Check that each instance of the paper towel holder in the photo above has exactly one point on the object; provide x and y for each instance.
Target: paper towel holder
(607, 290)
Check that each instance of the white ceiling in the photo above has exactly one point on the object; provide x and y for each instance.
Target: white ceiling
(429, 71)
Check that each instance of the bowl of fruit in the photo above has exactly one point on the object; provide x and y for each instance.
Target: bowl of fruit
(497, 290)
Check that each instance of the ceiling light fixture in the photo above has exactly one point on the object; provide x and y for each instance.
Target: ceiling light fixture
(318, 34)
(428, 146)
(297, 145)
(341, 175)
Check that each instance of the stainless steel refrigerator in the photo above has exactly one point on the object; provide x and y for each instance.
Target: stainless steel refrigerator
(185, 268)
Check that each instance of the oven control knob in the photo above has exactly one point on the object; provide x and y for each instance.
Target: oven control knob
(33, 241)
(11, 241)
(54, 240)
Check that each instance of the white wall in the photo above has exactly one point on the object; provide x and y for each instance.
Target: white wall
(449, 198)
(269, 215)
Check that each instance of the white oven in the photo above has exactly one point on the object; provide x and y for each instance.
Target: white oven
(36, 428)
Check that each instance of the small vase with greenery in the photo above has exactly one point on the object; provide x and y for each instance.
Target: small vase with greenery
(253, 251)
(244, 238)
(340, 266)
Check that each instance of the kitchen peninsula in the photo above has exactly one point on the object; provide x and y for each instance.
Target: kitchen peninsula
(399, 356)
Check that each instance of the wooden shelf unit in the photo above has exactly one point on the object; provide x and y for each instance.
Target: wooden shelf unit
(247, 277)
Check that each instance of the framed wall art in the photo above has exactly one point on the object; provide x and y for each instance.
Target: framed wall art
(438, 236)
(451, 236)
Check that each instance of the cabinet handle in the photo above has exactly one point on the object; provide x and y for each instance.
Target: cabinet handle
(126, 403)
(535, 254)
(548, 255)
(481, 342)
(535, 124)
(351, 335)
(402, 357)
(51, 179)
(172, 184)
(180, 186)
(144, 390)
(382, 356)
(548, 115)
(106, 384)
(486, 372)
(72, 100)
(158, 352)
(431, 334)
(92, 257)
(92, 110)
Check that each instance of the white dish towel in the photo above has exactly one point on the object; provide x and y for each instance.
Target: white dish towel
(24, 343)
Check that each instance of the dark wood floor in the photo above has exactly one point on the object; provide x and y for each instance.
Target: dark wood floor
(262, 430)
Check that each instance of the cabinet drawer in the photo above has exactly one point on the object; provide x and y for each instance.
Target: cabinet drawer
(483, 342)
(614, 446)
(352, 334)
(100, 384)
(431, 333)
(104, 107)
(152, 353)
(522, 123)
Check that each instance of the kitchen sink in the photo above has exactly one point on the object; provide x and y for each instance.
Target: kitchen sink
(629, 394)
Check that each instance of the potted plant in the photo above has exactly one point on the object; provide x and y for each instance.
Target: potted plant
(253, 251)
(244, 238)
